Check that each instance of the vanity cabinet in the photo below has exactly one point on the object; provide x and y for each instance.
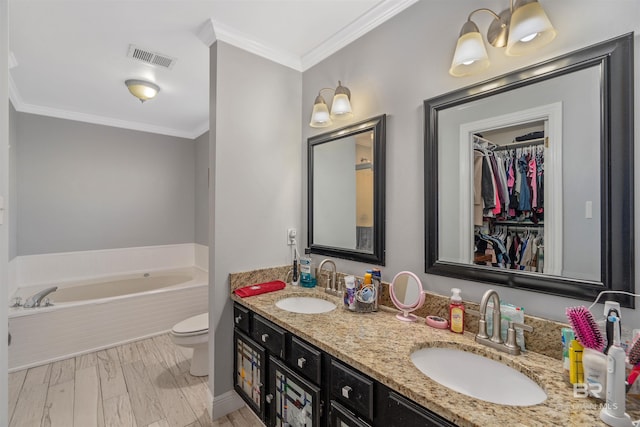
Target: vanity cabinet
(276, 374)
(286, 381)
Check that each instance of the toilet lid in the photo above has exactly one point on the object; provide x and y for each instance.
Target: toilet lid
(199, 323)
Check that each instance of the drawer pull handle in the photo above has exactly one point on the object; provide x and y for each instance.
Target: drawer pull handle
(265, 337)
(345, 391)
(238, 320)
(269, 398)
(301, 362)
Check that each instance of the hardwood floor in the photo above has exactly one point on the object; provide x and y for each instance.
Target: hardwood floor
(141, 384)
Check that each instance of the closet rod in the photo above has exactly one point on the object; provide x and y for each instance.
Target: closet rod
(529, 143)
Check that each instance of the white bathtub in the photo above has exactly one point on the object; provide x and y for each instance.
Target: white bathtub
(104, 312)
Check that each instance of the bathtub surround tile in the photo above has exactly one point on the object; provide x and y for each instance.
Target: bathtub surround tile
(118, 412)
(58, 409)
(94, 325)
(49, 268)
(144, 399)
(16, 380)
(30, 406)
(111, 377)
(86, 408)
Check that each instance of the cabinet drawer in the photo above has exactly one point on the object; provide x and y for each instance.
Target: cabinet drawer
(269, 335)
(401, 412)
(351, 389)
(241, 318)
(339, 416)
(305, 359)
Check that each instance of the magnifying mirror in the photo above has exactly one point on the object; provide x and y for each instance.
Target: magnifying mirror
(407, 295)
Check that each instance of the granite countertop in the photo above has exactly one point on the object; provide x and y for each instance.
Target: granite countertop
(380, 346)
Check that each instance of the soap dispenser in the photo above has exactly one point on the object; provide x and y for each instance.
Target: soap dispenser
(456, 312)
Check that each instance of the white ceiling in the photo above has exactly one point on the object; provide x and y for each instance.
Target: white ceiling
(69, 57)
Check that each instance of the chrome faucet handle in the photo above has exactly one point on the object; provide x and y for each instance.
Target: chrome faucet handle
(16, 302)
(511, 343)
(47, 302)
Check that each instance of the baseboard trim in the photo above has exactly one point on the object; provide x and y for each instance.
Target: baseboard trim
(225, 404)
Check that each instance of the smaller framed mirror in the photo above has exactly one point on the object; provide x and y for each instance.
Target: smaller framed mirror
(407, 294)
(346, 193)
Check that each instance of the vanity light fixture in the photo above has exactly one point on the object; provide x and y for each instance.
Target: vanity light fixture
(521, 28)
(142, 89)
(340, 107)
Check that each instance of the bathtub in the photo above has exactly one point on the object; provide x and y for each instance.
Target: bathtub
(103, 312)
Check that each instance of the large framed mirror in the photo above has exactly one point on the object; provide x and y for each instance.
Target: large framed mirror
(346, 193)
(529, 176)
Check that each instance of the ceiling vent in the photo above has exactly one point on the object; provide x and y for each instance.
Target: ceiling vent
(151, 58)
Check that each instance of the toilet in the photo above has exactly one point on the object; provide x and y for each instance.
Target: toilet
(194, 333)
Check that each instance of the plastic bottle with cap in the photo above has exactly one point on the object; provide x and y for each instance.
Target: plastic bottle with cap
(456, 312)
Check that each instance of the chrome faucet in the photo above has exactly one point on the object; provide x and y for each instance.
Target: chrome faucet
(495, 341)
(36, 299)
(332, 286)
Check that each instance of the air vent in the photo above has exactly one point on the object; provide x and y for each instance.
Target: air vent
(151, 58)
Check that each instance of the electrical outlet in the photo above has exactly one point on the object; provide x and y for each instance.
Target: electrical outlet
(291, 236)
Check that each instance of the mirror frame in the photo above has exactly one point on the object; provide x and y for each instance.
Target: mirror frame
(378, 126)
(615, 58)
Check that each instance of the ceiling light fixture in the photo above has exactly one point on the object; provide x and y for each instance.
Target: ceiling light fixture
(141, 89)
(521, 28)
(340, 107)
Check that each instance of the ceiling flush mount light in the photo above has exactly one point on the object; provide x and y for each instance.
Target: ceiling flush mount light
(340, 107)
(141, 89)
(522, 28)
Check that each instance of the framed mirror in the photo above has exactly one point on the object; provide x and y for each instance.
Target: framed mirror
(529, 177)
(407, 294)
(346, 194)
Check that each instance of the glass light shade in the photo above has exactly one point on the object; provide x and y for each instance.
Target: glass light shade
(320, 116)
(341, 107)
(530, 29)
(142, 90)
(470, 56)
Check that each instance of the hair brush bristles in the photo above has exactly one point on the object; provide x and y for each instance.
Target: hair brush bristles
(585, 328)
(634, 352)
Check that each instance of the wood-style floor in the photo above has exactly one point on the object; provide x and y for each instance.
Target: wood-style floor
(141, 384)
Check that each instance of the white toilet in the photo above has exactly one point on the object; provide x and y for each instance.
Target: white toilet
(194, 333)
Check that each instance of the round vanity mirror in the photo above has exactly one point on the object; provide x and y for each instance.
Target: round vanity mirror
(407, 294)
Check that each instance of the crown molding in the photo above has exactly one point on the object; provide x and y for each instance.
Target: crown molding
(207, 33)
(23, 107)
(212, 30)
(367, 22)
(244, 42)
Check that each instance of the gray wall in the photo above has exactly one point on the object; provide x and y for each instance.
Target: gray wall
(13, 185)
(202, 189)
(256, 188)
(84, 187)
(404, 61)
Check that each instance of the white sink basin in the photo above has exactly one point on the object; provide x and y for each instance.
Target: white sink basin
(478, 377)
(305, 305)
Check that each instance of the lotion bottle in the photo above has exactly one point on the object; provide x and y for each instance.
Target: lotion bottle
(456, 312)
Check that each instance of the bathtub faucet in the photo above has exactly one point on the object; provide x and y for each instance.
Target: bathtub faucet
(35, 300)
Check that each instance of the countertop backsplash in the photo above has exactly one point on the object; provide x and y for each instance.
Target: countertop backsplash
(545, 338)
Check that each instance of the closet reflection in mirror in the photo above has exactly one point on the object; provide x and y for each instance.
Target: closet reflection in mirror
(528, 179)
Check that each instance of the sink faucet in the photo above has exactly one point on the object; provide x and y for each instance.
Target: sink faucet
(332, 286)
(36, 299)
(495, 341)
